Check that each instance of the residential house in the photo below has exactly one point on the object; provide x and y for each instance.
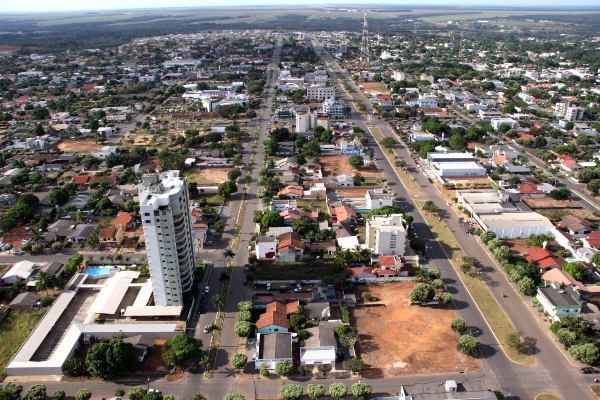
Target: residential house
(7, 200)
(282, 204)
(378, 198)
(276, 231)
(273, 349)
(291, 192)
(111, 235)
(276, 317)
(344, 214)
(24, 301)
(318, 310)
(359, 274)
(344, 180)
(392, 266)
(290, 216)
(21, 271)
(544, 258)
(575, 226)
(265, 248)
(290, 247)
(561, 302)
(320, 347)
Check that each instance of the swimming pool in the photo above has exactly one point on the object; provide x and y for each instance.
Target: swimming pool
(97, 271)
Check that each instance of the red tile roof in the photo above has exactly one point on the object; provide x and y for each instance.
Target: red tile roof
(277, 314)
(81, 179)
(123, 218)
(537, 254)
(550, 262)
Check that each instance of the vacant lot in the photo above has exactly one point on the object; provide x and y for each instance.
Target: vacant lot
(400, 339)
(15, 329)
(79, 145)
(206, 176)
(337, 165)
(16, 235)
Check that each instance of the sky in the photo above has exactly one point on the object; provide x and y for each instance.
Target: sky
(79, 5)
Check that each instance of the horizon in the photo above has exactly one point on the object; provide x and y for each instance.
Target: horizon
(58, 6)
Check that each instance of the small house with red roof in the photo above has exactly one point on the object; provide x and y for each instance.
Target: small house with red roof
(567, 162)
(276, 317)
(359, 274)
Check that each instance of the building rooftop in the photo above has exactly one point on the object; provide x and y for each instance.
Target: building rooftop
(565, 297)
(275, 346)
(515, 219)
(156, 189)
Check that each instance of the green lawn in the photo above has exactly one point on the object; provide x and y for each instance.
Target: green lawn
(297, 271)
(546, 396)
(13, 332)
(211, 198)
(321, 204)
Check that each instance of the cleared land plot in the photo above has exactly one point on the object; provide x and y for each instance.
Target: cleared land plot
(400, 339)
(208, 175)
(13, 332)
(16, 235)
(280, 271)
(337, 165)
(375, 88)
(79, 145)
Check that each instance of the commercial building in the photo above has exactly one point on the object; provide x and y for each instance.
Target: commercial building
(320, 93)
(458, 169)
(335, 108)
(386, 235)
(468, 390)
(515, 225)
(164, 207)
(450, 157)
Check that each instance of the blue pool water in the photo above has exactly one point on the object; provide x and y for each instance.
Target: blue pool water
(97, 271)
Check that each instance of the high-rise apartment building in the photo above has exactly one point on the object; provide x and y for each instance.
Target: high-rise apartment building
(164, 209)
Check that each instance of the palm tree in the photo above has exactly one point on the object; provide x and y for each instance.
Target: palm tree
(228, 253)
(219, 301)
(43, 282)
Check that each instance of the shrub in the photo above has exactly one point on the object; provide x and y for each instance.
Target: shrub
(354, 365)
(239, 361)
(243, 328)
(264, 371)
(245, 306)
(35, 392)
(360, 390)
(59, 395)
(83, 394)
(586, 353)
(467, 344)
(284, 368)
(243, 316)
(338, 390)
(315, 391)
(234, 396)
(290, 392)
(345, 314)
(459, 325)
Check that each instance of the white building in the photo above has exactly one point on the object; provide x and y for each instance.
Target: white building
(574, 113)
(515, 225)
(386, 235)
(303, 122)
(266, 248)
(335, 109)
(378, 198)
(320, 93)
(458, 169)
(164, 207)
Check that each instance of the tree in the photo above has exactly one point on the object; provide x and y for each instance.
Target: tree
(153, 395)
(430, 206)
(74, 366)
(234, 396)
(356, 161)
(233, 174)
(137, 393)
(514, 340)
(501, 253)
(574, 269)
(355, 365)
(40, 113)
(560, 194)
(59, 395)
(111, 358)
(218, 300)
(338, 390)
(83, 394)
(457, 142)
(418, 244)
(537, 240)
(11, 391)
(586, 353)
(245, 305)
(271, 218)
(487, 236)
(226, 189)
(243, 328)
(422, 293)
(468, 263)
(181, 350)
(284, 368)
(527, 286)
(35, 392)
(290, 392)
(388, 142)
(360, 390)
(596, 259)
(566, 337)
(467, 344)
(315, 391)
(244, 315)
(459, 325)
(239, 361)
(445, 298)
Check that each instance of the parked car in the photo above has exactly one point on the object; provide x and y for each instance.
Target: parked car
(588, 370)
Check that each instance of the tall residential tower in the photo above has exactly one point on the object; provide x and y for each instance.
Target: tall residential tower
(164, 209)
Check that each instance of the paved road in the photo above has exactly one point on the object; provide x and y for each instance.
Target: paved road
(550, 371)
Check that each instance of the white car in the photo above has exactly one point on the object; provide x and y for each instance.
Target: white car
(206, 289)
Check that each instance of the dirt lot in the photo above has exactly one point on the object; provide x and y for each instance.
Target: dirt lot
(208, 175)
(337, 165)
(400, 339)
(15, 236)
(79, 145)
(375, 88)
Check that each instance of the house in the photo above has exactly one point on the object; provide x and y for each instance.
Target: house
(359, 274)
(19, 272)
(7, 200)
(344, 180)
(24, 301)
(318, 310)
(110, 235)
(291, 192)
(377, 198)
(124, 220)
(282, 205)
(561, 302)
(344, 214)
(275, 318)
(141, 345)
(289, 247)
(575, 226)
(265, 248)
(273, 349)
(276, 231)
(544, 258)
(320, 347)
(52, 268)
(290, 216)
(393, 264)
(386, 235)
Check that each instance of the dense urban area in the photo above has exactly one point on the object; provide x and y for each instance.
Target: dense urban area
(355, 205)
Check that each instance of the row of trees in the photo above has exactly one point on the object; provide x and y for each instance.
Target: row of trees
(465, 343)
(575, 335)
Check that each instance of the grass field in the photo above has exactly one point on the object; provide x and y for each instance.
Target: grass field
(296, 271)
(13, 332)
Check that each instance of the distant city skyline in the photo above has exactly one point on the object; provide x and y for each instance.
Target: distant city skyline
(68, 5)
